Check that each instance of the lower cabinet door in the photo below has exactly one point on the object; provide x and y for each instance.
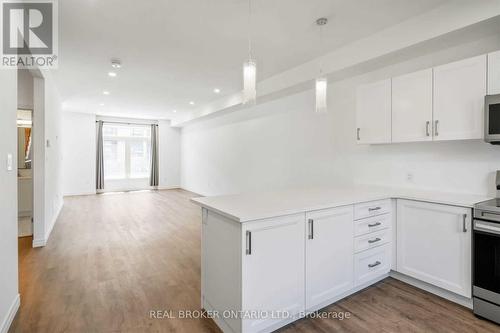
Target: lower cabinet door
(434, 244)
(329, 255)
(272, 271)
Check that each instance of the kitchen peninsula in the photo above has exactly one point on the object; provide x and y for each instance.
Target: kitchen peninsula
(288, 253)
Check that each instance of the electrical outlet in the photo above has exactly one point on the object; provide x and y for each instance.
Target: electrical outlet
(409, 177)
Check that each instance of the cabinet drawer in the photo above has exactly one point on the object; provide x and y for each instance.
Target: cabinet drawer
(372, 224)
(372, 240)
(372, 208)
(371, 264)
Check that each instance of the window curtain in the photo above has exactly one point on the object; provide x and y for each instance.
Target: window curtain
(153, 178)
(99, 157)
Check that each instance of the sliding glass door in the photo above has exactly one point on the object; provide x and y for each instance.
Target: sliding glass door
(127, 156)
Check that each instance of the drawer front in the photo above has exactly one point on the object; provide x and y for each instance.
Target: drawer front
(372, 240)
(371, 264)
(372, 224)
(372, 208)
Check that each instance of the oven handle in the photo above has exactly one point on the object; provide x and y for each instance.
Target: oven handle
(487, 216)
(492, 228)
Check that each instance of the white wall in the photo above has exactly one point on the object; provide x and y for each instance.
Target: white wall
(169, 155)
(278, 144)
(47, 159)
(285, 144)
(25, 89)
(9, 297)
(78, 146)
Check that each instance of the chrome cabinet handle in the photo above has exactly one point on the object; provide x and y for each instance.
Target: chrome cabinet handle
(374, 225)
(311, 229)
(374, 209)
(249, 243)
(436, 133)
(357, 133)
(427, 132)
(371, 241)
(464, 223)
(376, 263)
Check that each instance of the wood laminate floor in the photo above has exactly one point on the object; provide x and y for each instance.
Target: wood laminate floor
(111, 259)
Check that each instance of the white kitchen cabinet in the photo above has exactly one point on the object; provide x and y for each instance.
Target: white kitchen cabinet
(434, 244)
(412, 107)
(459, 90)
(373, 112)
(273, 269)
(494, 73)
(329, 255)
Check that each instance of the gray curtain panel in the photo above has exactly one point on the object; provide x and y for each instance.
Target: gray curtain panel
(153, 178)
(99, 158)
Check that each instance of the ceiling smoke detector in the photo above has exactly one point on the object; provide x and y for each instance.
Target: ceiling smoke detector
(116, 63)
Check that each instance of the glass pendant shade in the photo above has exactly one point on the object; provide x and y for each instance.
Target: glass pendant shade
(321, 85)
(249, 82)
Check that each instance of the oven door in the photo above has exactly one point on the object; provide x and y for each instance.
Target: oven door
(487, 260)
(492, 118)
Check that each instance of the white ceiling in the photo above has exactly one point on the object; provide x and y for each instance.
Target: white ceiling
(175, 51)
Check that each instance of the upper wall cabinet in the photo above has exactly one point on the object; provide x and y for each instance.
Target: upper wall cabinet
(494, 73)
(459, 90)
(412, 107)
(373, 112)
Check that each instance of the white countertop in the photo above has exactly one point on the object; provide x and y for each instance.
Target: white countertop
(256, 206)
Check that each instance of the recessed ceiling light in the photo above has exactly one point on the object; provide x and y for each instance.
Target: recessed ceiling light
(191, 103)
(105, 92)
(102, 104)
(216, 90)
(174, 111)
(112, 74)
(116, 63)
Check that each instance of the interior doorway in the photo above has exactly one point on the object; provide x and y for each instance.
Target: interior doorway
(25, 155)
(25, 172)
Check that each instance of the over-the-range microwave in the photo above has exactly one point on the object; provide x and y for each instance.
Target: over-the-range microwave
(492, 119)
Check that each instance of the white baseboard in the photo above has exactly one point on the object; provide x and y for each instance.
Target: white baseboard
(39, 242)
(174, 187)
(25, 213)
(79, 194)
(43, 241)
(7, 321)
(54, 220)
(459, 299)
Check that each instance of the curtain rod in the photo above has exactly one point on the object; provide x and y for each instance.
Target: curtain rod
(124, 123)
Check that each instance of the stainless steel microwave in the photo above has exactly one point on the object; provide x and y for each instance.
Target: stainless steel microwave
(492, 119)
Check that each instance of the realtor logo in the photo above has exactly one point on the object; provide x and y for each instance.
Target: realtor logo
(29, 33)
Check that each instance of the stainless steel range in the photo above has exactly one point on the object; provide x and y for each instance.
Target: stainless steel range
(486, 259)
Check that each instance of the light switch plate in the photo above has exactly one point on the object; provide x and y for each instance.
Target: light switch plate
(9, 162)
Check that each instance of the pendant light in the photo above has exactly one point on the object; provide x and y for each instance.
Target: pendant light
(249, 68)
(321, 81)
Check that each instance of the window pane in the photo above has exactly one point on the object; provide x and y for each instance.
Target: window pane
(140, 154)
(127, 151)
(114, 159)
